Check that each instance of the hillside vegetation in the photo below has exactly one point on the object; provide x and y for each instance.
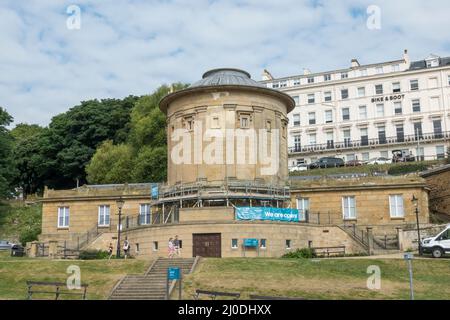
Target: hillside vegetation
(20, 222)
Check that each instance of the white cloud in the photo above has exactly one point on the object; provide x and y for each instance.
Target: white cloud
(131, 47)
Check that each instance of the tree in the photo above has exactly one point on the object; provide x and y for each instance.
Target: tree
(7, 170)
(146, 146)
(28, 159)
(111, 164)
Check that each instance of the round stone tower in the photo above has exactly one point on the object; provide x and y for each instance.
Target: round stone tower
(227, 127)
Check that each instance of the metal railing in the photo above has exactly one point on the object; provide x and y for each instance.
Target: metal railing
(171, 215)
(365, 142)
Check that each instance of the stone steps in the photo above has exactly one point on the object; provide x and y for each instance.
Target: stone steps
(153, 285)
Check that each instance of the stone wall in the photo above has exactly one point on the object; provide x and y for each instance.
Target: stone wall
(275, 234)
(438, 181)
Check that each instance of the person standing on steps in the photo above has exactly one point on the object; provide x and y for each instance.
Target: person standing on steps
(171, 248)
(110, 250)
(176, 244)
(126, 247)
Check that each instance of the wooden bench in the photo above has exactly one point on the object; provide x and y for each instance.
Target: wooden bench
(60, 288)
(215, 294)
(327, 251)
(255, 297)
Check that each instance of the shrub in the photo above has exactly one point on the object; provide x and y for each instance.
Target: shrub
(304, 253)
(407, 168)
(93, 254)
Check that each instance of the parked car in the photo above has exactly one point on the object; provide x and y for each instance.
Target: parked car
(438, 245)
(5, 245)
(353, 163)
(402, 156)
(299, 167)
(379, 160)
(327, 162)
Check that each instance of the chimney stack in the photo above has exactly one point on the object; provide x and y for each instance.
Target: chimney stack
(355, 63)
(406, 58)
(266, 75)
(306, 71)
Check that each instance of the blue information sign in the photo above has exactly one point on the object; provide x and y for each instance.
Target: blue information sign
(251, 242)
(173, 273)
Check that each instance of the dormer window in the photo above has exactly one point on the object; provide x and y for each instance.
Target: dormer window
(432, 61)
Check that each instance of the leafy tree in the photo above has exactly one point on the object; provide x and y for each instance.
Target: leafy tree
(147, 144)
(111, 164)
(7, 170)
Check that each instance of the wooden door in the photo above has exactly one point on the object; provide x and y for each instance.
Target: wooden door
(207, 245)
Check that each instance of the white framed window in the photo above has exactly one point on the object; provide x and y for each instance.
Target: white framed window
(416, 105)
(380, 110)
(384, 154)
(327, 96)
(396, 87)
(345, 114)
(398, 108)
(363, 72)
(379, 89)
(234, 243)
(396, 206)
(312, 117)
(155, 245)
(361, 91)
(63, 217)
(296, 99)
(349, 207)
(312, 138)
(310, 79)
(344, 93)
(303, 207)
(440, 152)
(433, 82)
(144, 213)
(296, 118)
(297, 82)
(328, 116)
(395, 68)
(311, 98)
(362, 112)
(344, 75)
(327, 77)
(414, 85)
(379, 70)
(365, 156)
(283, 84)
(103, 215)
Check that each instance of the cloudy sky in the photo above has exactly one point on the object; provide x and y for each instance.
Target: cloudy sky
(132, 46)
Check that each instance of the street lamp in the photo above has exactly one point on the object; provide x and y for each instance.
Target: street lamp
(120, 202)
(415, 202)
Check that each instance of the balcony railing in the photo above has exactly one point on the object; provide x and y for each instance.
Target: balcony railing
(365, 142)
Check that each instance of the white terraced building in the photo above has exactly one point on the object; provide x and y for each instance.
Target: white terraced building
(367, 111)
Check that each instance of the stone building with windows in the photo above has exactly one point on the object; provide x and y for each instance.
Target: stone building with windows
(220, 206)
(367, 111)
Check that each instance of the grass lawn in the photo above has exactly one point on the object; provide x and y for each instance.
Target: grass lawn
(100, 275)
(320, 278)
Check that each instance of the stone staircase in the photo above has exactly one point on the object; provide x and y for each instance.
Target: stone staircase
(151, 285)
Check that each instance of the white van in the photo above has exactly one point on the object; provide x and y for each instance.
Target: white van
(438, 245)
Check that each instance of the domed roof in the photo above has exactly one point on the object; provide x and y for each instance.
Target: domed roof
(226, 76)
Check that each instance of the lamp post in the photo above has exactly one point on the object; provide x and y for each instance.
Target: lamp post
(120, 204)
(415, 202)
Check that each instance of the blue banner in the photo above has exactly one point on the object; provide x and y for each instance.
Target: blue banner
(267, 213)
(155, 194)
